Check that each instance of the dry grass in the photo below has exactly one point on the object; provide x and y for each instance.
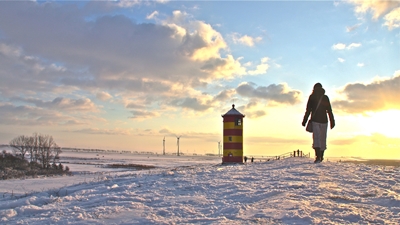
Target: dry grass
(379, 162)
(131, 166)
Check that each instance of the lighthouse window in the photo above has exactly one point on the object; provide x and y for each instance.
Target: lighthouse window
(230, 138)
(238, 122)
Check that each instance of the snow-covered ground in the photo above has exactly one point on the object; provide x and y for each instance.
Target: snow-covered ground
(91, 166)
(199, 190)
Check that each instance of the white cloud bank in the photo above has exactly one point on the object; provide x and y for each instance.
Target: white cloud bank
(378, 95)
(389, 10)
(245, 39)
(53, 57)
(341, 46)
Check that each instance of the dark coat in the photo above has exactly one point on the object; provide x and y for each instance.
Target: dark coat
(319, 115)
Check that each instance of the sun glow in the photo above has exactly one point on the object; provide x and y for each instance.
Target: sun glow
(385, 122)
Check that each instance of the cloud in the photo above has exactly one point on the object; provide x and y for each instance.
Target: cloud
(376, 96)
(253, 110)
(224, 95)
(64, 104)
(352, 28)
(341, 60)
(261, 68)
(353, 45)
(103, 131)
(207, 137)
(343, 141)
(279, 93)
(54, 50)
(389, 10)
(134, 105)
(59, 111)
(152, 15)
(203, 136)
(360, 64)
(374, 138)
(22, 73)
(203, 43)
(128, 3)
(191, 103)
(165, 131)
(104, 96)
(122, 50)
(256, 114)
(341, 46)
(224, 67)
(378, 8)
(139, 114)
(393, 19)
(246, 39)
(34, 116)
(162, 1)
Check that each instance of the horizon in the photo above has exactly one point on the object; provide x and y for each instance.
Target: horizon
(124, 74)
(210, 154)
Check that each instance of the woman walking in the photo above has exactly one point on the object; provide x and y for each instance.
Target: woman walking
(318, 106)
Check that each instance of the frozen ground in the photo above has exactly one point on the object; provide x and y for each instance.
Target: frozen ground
(90, 166)
(198, 190)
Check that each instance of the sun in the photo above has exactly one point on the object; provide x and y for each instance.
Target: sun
(386, 123)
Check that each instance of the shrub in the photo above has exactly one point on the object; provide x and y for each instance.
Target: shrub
(12, 167)
(7, 160)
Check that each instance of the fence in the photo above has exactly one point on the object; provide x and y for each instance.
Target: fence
(296, 153)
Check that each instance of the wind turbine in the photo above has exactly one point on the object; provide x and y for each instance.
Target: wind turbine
(219, 148)
(177, 142)
(163, 145)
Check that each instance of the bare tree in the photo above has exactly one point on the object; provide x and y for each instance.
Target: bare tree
(42, 143)
(31, 145)
(19, 145)
(57, 152)
(42, 148)
(35, 147)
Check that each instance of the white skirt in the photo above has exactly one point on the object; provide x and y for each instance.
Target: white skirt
(319, 135)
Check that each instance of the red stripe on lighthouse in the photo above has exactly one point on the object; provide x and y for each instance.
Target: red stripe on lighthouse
(231, 118)
(233, 132)
(232, 159)
(233, 146)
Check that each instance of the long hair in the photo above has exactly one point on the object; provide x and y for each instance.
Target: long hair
(318, 91)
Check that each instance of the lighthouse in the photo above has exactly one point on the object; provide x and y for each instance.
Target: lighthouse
(233, 136)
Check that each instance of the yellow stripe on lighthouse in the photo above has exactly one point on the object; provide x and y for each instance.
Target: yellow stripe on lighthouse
(232, 125)
(234, 152)
(233, 139)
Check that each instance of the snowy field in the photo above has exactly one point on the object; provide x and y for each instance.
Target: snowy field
(199, 190)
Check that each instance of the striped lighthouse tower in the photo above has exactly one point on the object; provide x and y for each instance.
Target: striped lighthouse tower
(233, 136)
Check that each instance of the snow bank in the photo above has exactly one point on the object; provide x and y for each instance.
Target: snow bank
(290, 191)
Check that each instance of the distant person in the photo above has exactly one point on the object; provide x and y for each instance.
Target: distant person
(245, 159)
(319, 119)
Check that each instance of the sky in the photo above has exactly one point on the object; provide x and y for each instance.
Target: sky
(124, 75)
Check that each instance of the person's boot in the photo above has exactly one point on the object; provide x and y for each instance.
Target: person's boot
(322, 155)
(318, 155)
